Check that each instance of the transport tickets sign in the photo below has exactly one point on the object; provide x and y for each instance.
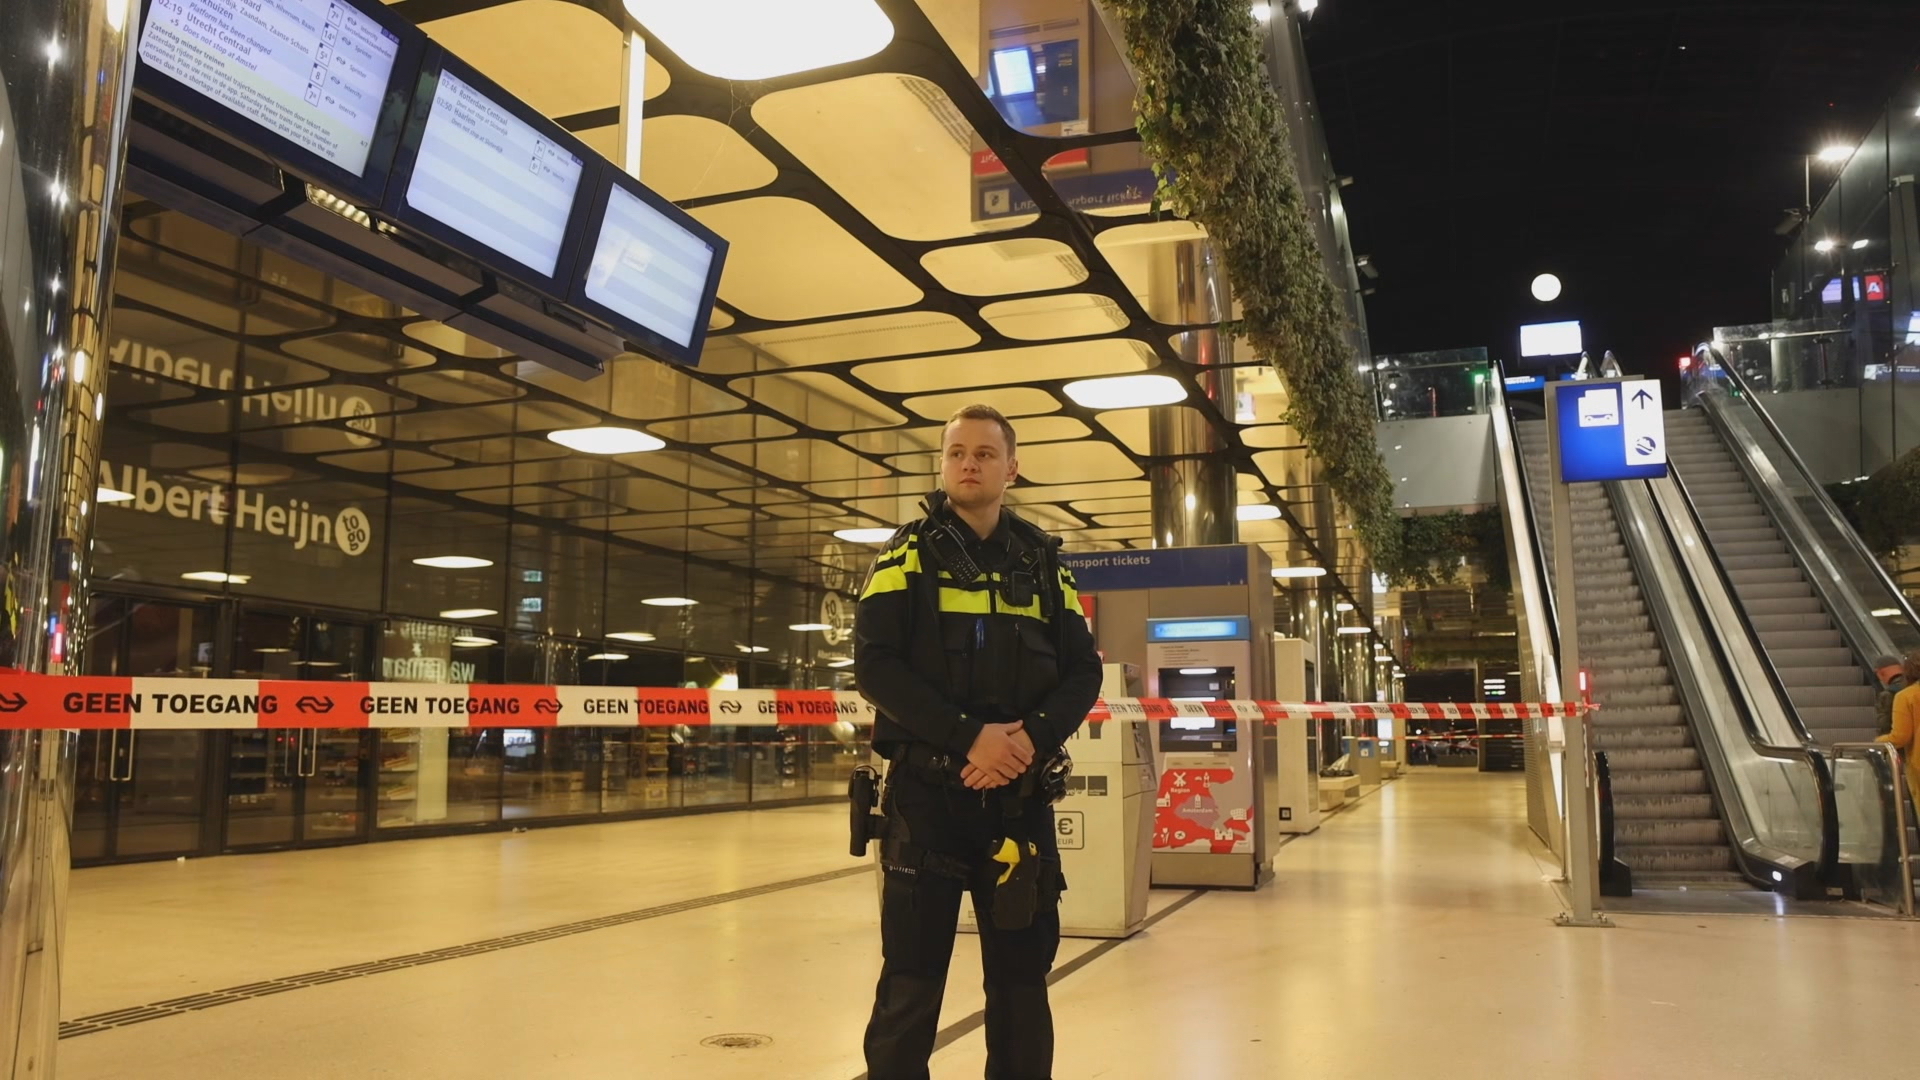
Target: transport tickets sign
(45, 702)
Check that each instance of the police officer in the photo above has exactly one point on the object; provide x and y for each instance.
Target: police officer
(970, 643)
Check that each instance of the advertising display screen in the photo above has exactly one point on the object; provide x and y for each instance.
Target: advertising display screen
(1550, 339)
(483, 173)
(651, 271)
(320, 85)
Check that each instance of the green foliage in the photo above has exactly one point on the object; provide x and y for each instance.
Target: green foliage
(1886, 508)
(1212, 125)
(1431, 653)
(1433, 545)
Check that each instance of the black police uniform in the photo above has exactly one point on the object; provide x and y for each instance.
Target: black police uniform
(953, 632)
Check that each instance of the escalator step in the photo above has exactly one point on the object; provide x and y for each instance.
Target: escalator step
(1730, 880)
(1801, 677)
(1792, 591)
(1628, 699)
(1660, 782)
(1737, 563)
(1802, 639)
(1676, 859)
(1779, 575)
(1767, 546)
(1665, 760)
(1640, 716)
(1816, 657)
(1760, 607)
(1644, 833)
(1745, 536)
(1611, 737)
(1831, 697)
(1619, 659)
(1786, 624)
(1662, 806)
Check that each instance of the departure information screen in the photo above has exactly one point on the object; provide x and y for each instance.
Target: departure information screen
(492, 177)
(314, 72)
(648, 269)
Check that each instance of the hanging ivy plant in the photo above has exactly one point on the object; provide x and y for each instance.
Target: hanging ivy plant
(1885, 507)
(1434, 546)
(1212, 125)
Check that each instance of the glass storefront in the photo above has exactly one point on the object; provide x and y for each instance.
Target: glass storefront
(302, 482)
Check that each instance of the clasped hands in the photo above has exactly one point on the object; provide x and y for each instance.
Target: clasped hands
(1000, 753)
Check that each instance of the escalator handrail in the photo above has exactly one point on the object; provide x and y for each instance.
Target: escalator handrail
(1893, 592)
(1828, 859)
(1893, 793)
(1530, 536)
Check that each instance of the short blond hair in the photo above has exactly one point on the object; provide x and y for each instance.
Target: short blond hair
(985, 412)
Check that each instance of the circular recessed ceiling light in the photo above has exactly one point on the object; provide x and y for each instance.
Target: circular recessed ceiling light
(669, 601)
(1256, 512)
(632, 635)
(1299, 571)
(1126, 392)
(1546, 287)
(606, 440)
(863, 536)
(468, 613)
(453, 562)
(216, 577)
(809, 627)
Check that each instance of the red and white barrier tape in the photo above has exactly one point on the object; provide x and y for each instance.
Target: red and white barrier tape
(105, 702)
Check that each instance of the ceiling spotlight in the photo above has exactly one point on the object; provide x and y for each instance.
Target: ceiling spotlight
(753, 648)
(1262, 13)
(1823, 246)
(1256, 512)
(1126, 392)
(1860, 245)
(216, 577)
(473, 641)
(1835, 154)
(669, 601)
(1299, 571)
(1308, 7)
(1350, 630)
(749, 40)
(453, 562)
(468, 613)
(606, 440)
(607, 656)
(1343, 606)
(864, 536)
(809, 627)
(1546, 287)
(632, 635)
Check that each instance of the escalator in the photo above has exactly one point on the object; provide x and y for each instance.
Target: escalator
(1830, 687)
(1669, 826)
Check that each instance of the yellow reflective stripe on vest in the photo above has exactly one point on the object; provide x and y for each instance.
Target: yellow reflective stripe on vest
(984, 601)
(890, 570)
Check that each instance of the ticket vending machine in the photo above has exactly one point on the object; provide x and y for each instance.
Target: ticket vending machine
(1105, 824)
(1210, 811)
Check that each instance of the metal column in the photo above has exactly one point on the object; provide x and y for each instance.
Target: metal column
(1194, 491)
(65, 77)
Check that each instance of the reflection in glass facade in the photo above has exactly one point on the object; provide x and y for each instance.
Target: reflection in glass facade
(302, 482)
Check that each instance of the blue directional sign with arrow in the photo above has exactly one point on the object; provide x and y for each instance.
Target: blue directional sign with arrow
(1612, 430)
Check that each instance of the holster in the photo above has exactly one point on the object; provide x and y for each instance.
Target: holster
(863, 798)
(1033, 884)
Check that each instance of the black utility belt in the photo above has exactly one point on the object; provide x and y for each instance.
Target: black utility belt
(929, 764)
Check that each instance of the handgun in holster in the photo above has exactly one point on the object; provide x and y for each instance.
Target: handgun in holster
(863, 802)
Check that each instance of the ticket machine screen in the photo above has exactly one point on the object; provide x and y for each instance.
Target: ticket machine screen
(1199, 735)
(1197, 684)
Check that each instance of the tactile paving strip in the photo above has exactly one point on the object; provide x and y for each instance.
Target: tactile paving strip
(140, 1014)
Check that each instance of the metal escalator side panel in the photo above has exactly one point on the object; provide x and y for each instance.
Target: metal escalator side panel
(1775, 799)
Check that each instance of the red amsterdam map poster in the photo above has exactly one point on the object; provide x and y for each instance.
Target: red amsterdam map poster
(1189, 816)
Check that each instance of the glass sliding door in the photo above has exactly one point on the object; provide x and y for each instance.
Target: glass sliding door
(142, 794)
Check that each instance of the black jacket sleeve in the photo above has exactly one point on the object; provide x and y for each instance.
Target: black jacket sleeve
(1066, 708)
(882, 630)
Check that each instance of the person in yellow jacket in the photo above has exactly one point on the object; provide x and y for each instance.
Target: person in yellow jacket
(1906, 723)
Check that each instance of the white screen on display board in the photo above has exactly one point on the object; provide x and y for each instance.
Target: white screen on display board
(1550, 339)
(314, 72)
(492, 177)
(648, 269)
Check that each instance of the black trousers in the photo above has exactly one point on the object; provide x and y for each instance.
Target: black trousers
(918, 922)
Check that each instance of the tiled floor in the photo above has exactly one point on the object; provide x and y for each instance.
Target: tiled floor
(1411, 936)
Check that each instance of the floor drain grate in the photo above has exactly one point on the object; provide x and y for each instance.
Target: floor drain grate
(740, 1041)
